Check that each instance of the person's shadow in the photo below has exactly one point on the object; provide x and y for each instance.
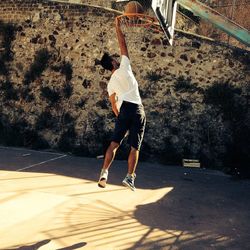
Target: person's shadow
(39, 244)
(32, 247)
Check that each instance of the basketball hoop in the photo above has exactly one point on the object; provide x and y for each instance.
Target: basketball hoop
(134, 20)
(136, 26)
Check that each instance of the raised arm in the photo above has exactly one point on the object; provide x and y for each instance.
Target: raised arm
(121, 39)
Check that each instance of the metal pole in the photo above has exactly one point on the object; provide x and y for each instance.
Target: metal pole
(232, 15)
(217, 20)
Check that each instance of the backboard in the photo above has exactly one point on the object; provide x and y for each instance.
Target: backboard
(165, 11)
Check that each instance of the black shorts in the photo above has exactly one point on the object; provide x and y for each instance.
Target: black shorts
(132, 119)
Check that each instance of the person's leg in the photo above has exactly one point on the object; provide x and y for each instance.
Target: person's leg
(121, 127)
(109, 157)
(132, 160)
(132, 163)
(136, 134)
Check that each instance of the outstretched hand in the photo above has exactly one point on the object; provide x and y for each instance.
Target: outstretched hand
(121, 38)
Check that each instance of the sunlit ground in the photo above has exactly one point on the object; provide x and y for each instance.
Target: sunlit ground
(69, 211)
(41, 210)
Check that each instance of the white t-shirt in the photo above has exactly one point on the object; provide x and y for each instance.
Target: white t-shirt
(124, 84)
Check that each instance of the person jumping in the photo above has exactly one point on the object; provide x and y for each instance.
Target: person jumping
(127, 105)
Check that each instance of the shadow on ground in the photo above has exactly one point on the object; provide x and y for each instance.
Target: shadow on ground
(203, 210)
(39, 244)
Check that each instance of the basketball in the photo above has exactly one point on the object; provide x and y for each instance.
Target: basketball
(133, 7)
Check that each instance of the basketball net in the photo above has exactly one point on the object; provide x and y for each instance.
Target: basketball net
(137, 28)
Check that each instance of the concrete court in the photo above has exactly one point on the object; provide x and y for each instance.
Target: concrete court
(51, 201)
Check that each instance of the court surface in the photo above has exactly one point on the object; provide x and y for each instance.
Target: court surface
(52, 201)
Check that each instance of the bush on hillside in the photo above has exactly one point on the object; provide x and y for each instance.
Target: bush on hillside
(224, 97)
(19, 134)
(3, 67)
(67, 90)
(26, 94)
(66, 69)
(40, 63)
(153, 76)
(67, 140)
(232, 104)
(183, 84)
(51, 95)
(67, 119)
(45, 121)
(8, 91)
(8, 32)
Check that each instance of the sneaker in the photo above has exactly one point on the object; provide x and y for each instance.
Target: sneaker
(103, 178)
(129, 181)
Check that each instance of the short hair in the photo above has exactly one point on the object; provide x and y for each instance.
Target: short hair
(106, 62)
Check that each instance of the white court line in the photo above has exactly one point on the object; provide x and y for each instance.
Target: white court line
(40, 163)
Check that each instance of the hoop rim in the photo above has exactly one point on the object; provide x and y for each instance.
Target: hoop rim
(143, 20)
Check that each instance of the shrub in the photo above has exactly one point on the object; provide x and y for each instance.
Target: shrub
(237, 158)
(20, 134)
(38, 66)
(153, 76)
(55, 68)
(184, 85)
(50, 94)
(30, 97)
(26, 95)
(233, 107)
(88, 146)
(173, 156)
(223, 96)
(67, 90)
(9, 92)
(45, 121)
(33, 140)
(242, 56)
(67, 140)
(3, 125)
(8, 32)
(12, 133)
(103, 104)
(67, 70)
(185, 105)
(3, 67)
(68, 118)
(81, 103)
